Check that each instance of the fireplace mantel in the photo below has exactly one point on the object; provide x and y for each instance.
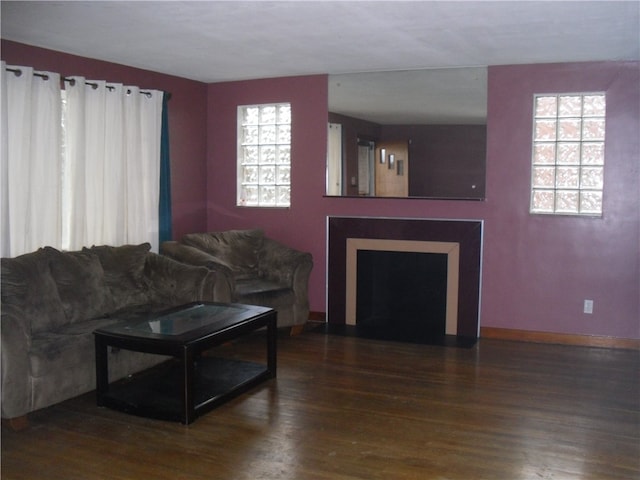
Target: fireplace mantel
(466, 234)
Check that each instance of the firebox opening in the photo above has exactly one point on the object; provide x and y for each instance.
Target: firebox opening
(401, 295)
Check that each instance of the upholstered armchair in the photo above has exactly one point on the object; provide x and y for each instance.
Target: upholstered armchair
(258, 269)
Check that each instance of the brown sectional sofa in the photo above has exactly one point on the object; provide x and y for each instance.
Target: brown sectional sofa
(52, 301)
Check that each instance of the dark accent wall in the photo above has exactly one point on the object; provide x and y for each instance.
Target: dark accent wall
(444, 160)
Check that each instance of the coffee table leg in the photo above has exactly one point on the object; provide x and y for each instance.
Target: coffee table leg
(188, 400)
(272, 346)
(102, 369)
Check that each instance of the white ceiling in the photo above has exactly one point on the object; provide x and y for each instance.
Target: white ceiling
(214, 41)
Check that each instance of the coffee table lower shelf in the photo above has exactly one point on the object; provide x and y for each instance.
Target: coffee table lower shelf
(157, 392)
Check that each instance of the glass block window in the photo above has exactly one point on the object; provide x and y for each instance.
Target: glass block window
(264, 155)
(568, 154)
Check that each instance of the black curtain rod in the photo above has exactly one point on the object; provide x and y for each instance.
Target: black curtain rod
(72, 81)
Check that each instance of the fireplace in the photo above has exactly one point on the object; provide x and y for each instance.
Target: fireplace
(404, 279)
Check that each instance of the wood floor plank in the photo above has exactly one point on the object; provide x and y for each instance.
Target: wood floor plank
(349, 408)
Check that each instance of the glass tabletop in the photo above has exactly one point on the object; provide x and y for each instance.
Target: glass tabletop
(186, 320)
(182, 321)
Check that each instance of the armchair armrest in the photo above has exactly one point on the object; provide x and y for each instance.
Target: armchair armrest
(286, 265)
(183, 283)
(15, 333)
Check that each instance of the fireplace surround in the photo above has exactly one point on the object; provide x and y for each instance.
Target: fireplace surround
(458, 241)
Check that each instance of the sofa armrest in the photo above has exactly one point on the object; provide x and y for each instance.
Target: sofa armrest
(286, 265)
(15, 334)
(175, 282)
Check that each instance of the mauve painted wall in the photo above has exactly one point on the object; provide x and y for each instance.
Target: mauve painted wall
(187, 120)
(302, 225)
(537, 269)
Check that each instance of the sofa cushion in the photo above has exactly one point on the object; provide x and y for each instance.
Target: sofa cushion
(81, 284)
(239, 249)
(124, 273)
(28, 284)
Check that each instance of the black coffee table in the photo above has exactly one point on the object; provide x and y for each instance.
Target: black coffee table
(189, 383)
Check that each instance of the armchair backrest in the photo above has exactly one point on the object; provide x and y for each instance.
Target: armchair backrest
(238, 249)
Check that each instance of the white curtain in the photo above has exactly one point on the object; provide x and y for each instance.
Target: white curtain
(84, 174)
(112, 136)
(31, 160)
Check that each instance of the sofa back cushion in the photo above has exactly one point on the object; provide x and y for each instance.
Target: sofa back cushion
(81, 284)
(124, 273)
(239, 249)
(28, 284)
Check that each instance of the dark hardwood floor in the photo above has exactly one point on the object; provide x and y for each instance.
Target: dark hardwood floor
(348, 408)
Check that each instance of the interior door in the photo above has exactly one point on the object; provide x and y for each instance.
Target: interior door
(392, 168)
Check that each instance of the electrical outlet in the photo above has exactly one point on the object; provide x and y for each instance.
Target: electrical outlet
(588, 306)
